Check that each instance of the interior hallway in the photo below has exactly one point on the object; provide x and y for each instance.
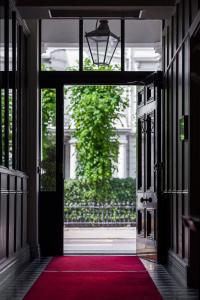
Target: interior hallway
(31, 219)
(168, 287)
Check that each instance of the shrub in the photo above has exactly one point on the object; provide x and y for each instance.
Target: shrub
(94, 112)
(79, 207)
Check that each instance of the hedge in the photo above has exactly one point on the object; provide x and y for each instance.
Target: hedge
(116, 208)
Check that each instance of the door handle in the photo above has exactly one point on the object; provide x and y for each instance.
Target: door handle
(142, 200)
(149, 200)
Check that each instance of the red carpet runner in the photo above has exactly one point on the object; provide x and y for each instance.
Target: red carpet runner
(94, 278)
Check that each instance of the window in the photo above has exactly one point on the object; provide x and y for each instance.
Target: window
(48, 140)
(143, 45)
(64, 46)
(2, 93)
(115, 27)
(60, 45)
(12, 90)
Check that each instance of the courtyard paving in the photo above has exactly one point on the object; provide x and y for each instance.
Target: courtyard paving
(100, 240)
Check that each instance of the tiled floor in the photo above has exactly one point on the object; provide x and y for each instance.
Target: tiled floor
(19, 287)
(168, 287)
(117, 240)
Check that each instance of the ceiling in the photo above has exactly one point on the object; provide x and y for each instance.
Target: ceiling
(151, 9)
(136, 31)
(95, 3)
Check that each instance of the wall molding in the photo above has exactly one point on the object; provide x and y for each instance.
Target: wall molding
(177, 267)
(176, 192)
(13, 192)
(13, 216)
(11, 266)
(35, 251)
(12, 172)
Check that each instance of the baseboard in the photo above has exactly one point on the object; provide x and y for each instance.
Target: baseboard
(35, 251)
(177, 268)
(10, 267)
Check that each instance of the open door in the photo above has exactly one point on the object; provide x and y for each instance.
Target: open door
(51, 172)
(148, 165)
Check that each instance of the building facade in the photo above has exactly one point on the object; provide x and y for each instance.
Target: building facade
(146, 57)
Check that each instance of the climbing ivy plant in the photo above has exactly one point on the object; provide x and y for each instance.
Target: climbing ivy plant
(94, 113)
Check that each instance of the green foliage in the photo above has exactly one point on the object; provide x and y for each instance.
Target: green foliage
(94, 111)
(89, 66)
(10, 125)
(48, 163)
(122, 190)
(78, 207)
(48, 109)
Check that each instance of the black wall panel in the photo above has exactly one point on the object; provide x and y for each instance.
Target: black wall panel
(194, 9)
(24, 219)
(179, 182)
(13, 180)
(3, 226)
(13, 212)
(11, 241)
(18, 222)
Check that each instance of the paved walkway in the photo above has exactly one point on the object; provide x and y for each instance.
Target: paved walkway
(100, 240)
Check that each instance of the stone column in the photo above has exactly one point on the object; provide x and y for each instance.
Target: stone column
(132, 155)
(67, 160)
(122, 158)
(72, 143)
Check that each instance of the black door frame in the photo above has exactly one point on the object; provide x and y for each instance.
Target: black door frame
(51, 203)
(51, 242)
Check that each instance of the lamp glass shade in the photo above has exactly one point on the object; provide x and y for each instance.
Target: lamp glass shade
(102, 44)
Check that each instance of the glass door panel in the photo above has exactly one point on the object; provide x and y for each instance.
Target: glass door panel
(48, 140)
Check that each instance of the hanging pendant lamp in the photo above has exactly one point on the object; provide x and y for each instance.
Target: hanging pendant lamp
(102, 43)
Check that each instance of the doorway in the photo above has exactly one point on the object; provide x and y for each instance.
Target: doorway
(100, 218)
(58, 71)
(52, 201)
